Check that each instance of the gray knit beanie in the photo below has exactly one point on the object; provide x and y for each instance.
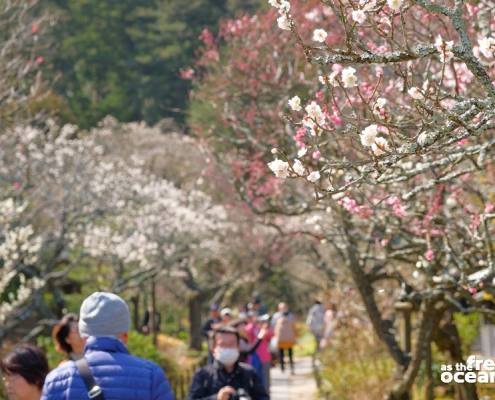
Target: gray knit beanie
(104, 314)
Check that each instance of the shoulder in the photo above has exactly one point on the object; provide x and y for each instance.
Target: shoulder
(62, 372)
(59, 380)
(247, 368)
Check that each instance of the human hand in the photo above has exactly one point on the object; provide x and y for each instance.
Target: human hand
(225, 392)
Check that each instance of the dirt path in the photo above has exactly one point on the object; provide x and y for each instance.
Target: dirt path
(300, 386)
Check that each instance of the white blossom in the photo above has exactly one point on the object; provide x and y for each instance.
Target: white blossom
(279, 168)
(359, 16)
(314, 115)
(298, 167)
(302, 152)
(283, 23)
(423, 139)
(379, 106)
(368, 135)
(320, 35)
(380, 146)
(348, 78)
(445, 49)
(295, 103)
(283, 6)
(415, 93)
(487, 46)
(381, 102)
(313, 177)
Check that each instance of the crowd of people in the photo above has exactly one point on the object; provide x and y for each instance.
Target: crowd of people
(242, 348)
(262, 339)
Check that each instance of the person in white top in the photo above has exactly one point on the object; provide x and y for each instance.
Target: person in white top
(316, 322)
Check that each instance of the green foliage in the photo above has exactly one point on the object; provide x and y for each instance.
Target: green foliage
(468, 326)
(54, 357)
(124, 57)
(142, 346)
(356, 366)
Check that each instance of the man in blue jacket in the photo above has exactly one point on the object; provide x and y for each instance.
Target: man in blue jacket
(105, 320)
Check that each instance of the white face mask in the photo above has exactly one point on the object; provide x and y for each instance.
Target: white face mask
(227, 357)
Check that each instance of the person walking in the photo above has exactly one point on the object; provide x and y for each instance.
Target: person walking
(285, 337)
(67, 339)
(316, 322)
(23, 372)
(226, 377)
(263, 333)
(107, 370)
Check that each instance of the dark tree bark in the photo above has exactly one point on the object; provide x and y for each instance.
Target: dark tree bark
(195, 337)
(447, 339)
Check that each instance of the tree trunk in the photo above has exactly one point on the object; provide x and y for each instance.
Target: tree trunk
(153, 327)
(195, 338)
(429, 385)
(135, 312)
(447, 339)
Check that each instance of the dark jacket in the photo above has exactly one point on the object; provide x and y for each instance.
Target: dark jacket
(208, 326)
(120, 375)
(208, 381)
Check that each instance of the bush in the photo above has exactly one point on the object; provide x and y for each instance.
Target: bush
(142, 346)
(355, 366)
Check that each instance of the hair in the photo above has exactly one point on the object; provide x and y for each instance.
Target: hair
(228, 330)
(27, 361)
(61, 331)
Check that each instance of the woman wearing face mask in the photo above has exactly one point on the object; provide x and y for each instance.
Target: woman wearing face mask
(226, 376)
(23, 372)
(66, 337)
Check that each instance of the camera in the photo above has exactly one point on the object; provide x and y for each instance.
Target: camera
(240, 394)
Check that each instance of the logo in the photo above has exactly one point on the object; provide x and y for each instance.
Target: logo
(475, 370)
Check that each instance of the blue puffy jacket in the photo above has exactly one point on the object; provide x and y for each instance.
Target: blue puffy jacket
(120, 375)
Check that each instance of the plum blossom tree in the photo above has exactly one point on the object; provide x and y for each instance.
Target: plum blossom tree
(390, 127)
(21, 53)
(396, 91)
(72, 195)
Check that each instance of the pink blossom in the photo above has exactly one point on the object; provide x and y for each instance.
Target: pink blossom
(489, 208)
(39, 60)
(207, 38)
(429, 255)
(34, 28)
(187, 73)
(397, 207)
(463, 142)
(351, 205)
(16, 185)
(316, 154)
(336, 120)
(475, 222)
(300, 134)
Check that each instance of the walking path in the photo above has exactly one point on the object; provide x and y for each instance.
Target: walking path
(285, 386)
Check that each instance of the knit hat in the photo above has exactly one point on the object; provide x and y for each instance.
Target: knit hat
(104, 314)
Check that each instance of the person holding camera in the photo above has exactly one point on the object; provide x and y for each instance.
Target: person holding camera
(227, 378)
